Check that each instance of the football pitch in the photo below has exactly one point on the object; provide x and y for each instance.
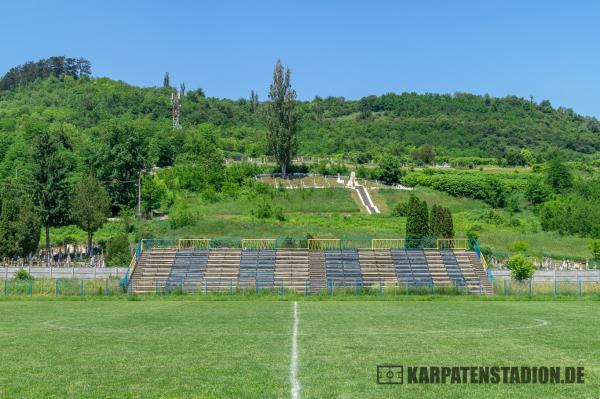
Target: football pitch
(259, 348)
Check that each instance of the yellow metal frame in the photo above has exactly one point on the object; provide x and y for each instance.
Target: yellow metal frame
(259, 243)
(196, 243)
(387, 243)
(452, 243)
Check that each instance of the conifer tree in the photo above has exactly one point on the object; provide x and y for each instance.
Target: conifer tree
(281, 118)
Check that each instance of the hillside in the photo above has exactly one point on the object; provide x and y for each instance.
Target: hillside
(61, 130)
(457, 125)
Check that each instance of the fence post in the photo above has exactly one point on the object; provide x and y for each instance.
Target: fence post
(306, 287)
(205, 288)
(80, 287)
(505, 287)
(56, 288)
(230, 287)
(531, 286)
(554, 285)
(106, 288)
(381, 286)
(5, 286)
(30, 287)
(356, 289)
(580, 287)
(256, 284)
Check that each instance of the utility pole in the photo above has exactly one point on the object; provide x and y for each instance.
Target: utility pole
(139, 202)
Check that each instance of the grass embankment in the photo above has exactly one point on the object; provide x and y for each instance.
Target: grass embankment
(329, 213)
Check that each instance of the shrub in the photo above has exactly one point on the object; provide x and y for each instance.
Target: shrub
(594, 246)
(117, 251)
(22, 275)
(181, 215)
(521, 269)
(472, 234)
(264, 210)
(400, 210)
(519, 246)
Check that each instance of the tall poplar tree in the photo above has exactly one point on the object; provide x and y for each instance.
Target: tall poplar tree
(281, 118)
(50, 171)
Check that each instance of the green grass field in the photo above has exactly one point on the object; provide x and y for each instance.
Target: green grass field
(175, 347)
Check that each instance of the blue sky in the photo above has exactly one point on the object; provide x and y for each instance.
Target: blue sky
(546, 49)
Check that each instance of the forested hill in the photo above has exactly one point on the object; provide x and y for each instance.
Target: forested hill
(456, 125)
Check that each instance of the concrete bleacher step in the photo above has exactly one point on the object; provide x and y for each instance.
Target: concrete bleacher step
(316, 265)
(292, 269)
(152, 270)
(480, 272)
(223, 269)
(377, 267)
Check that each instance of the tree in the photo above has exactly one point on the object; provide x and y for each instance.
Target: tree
(118, 156)
(424, 153)
(559, 176)
(594, 246)
(153, 192)
(253, 101)
(521, 269)
(117, 251)
(442, 225)
(417, 220)
(166, 81)
(50, 173)
(90, 207)
(389, 171)
(19, 223)
(281, 118)
(537, 191)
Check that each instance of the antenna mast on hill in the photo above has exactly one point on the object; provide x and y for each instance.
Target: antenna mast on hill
(176, 105)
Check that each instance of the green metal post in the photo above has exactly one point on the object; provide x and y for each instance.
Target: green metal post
(5, 287)
(380, 286)
(56, 288)
(80, 287)
(505, 287)
(306, 287)
(407, 288)
(30, 287)
(580, 287)
(230, 287)
(530, 287)
(554, 286)
(106, 289)
(205, 288)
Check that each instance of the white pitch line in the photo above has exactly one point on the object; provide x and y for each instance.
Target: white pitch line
(294, 362)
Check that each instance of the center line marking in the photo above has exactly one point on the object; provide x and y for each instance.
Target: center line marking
(294, 363)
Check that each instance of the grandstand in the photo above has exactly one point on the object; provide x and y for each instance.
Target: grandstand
(308, 266)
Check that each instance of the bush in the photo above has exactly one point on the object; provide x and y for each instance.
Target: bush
(117, 251)
(181, 215)
(265, 210)
(22, 275)
(594, 246)
(519, 246)
(400, 210)
(521, 268)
